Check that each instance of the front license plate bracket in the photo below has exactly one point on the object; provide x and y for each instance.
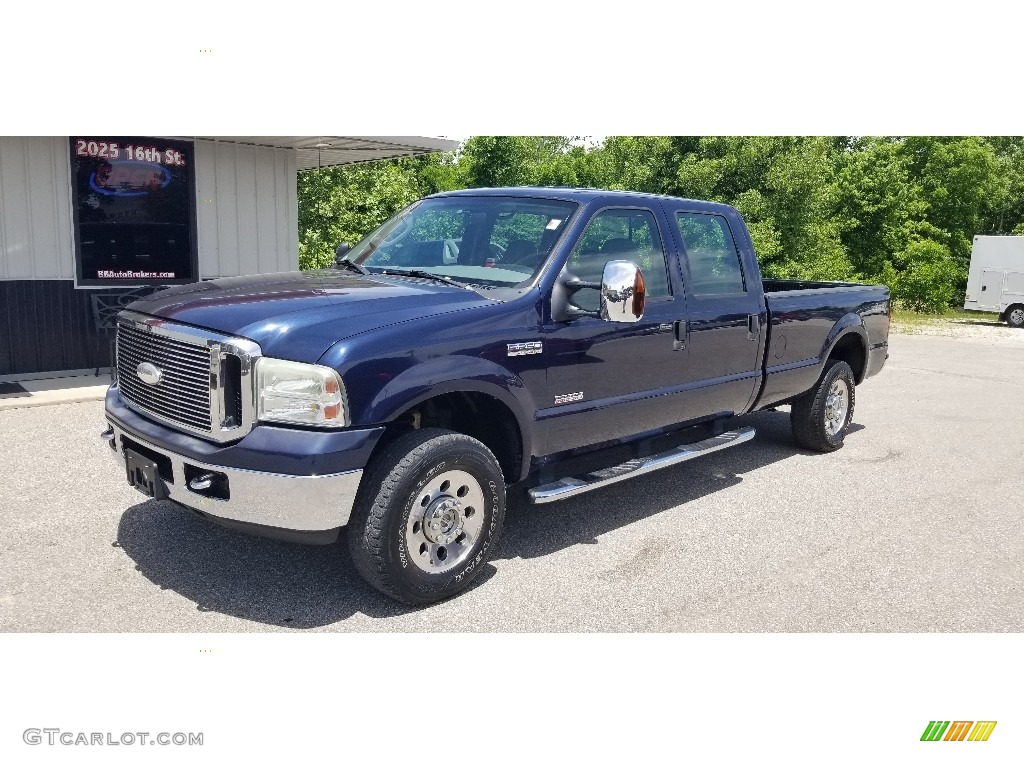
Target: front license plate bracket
(144, 475)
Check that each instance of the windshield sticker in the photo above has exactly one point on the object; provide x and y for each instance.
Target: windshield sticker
(554, 224)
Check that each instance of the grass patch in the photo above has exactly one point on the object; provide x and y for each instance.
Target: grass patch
(909, 321)
(909, 317)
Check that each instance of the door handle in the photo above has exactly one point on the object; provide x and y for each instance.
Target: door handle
(753, 327)
(681, 331)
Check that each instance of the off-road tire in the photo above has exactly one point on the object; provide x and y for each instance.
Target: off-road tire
(388, 501)
(807, 415)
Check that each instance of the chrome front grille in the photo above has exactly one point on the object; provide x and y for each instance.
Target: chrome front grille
(205, 379)
(184, 393)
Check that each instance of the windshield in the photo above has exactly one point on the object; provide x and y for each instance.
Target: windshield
(484, 242)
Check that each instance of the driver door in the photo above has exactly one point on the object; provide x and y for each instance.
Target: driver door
(610, 380)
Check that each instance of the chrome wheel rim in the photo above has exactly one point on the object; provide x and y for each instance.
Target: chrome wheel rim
(1017, 317)
(837, 406)
(446, 521)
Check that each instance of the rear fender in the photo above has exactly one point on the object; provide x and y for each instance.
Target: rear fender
(848, 324)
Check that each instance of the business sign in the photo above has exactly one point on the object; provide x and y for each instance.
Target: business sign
(134, 209)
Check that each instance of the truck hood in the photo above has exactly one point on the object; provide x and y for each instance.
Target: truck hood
(300, 315)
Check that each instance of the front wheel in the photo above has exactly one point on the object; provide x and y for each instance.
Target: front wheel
(821, 418)
(427, 516)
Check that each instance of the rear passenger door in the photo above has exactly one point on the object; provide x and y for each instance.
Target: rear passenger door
(723, 329)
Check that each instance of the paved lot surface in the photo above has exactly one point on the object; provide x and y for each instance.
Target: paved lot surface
(917, 524)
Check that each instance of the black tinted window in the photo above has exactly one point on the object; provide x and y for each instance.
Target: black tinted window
(714, 261)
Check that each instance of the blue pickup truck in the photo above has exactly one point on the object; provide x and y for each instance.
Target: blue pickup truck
(476, 342)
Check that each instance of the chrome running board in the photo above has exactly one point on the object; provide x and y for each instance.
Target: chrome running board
(573, 486)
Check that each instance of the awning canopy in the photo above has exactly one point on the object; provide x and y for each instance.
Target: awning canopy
(324, 151)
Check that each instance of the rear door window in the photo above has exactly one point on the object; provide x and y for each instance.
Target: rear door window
(711, 252)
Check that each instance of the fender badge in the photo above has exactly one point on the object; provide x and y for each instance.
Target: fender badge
(572, 397)
(525, 348)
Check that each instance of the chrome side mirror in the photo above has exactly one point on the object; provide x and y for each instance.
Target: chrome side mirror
(623, 293)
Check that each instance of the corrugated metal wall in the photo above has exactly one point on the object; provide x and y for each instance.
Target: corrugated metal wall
(247, 209)
(245, 202)
(36, 235)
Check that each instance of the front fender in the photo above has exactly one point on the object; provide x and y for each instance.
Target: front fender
(454, 373)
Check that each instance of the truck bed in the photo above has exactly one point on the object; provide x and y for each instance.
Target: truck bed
(804, 317)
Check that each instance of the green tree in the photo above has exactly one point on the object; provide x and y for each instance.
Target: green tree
(784, 186)
(1006, 213)
(498, 161)
(880, 204)
(924, 276)
(637, 163)
(959, 179)
(344, 203)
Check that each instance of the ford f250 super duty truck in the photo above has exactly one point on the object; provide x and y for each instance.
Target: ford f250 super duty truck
(475, 341)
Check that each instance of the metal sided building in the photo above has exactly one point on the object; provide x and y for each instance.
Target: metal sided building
(89, 223)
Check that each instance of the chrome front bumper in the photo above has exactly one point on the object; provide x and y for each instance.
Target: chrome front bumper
(257, 499)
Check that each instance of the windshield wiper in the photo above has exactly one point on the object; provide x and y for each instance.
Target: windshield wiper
(424, 274)
(351, 265)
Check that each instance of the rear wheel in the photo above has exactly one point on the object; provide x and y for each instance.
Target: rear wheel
(1015, 316)
(428, 514)
(821, 418)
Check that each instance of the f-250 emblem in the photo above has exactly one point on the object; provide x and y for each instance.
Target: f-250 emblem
(525, 348)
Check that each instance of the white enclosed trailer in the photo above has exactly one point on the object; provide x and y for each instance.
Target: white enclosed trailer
(995, 282)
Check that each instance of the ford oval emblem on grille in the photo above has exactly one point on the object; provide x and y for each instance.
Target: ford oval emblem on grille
(149, 373)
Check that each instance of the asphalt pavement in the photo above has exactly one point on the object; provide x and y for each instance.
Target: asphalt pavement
(916, 524)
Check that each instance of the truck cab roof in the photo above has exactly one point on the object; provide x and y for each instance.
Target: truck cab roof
(583, 195)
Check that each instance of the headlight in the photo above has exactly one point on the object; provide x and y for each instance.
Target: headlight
(297, 393)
